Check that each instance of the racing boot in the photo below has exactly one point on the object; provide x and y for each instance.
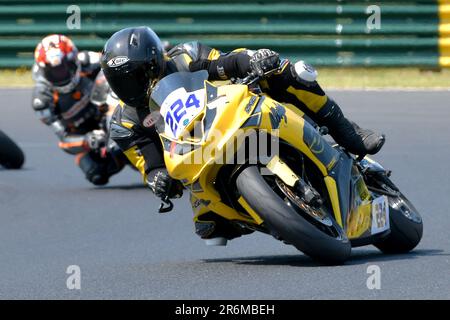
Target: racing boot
(98, 169)
(347, 133)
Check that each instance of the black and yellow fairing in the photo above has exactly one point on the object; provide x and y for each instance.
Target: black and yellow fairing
(230, 110)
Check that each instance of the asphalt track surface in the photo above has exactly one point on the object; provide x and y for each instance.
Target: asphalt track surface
(51, 218)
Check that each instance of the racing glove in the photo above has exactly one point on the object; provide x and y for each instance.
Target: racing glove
(264, 60)
(95, 140)
(163, 185)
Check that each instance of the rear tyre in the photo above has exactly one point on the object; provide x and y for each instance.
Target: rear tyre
(11, 156)
(406, 227)
(329, 246)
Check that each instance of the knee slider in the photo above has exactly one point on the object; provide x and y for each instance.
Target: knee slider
(304, 72)
(93, 170)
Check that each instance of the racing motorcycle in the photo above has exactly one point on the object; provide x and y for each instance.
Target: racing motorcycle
(11, 156)
(310, 193)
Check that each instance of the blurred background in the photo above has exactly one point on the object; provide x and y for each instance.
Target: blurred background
(411, 34)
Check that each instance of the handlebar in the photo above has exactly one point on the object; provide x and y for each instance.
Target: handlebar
(248, 80)
(254, 78)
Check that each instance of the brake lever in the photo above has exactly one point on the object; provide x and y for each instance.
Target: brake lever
(163, 208)
(252, 77)
(166, 201)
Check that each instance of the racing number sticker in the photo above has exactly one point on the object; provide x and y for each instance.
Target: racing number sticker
(179, 109)
(380, 215)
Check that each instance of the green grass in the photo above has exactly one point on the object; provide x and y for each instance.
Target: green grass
(345, 78)
(383, 78)
(20, 78)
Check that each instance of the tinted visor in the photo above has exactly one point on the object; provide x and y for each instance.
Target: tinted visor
(62, 74)
(131, 86)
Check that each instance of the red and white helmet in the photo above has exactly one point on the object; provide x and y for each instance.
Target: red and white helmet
(56, 56)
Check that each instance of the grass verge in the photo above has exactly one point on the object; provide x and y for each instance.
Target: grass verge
(336, 78)
(387, 78)
(19, 78)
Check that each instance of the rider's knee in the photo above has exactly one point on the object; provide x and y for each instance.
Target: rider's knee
(94, 171)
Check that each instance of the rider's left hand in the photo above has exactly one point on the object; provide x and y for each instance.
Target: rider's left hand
(95, 140)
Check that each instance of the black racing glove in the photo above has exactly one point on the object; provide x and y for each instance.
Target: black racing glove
(263, 61)
(163, 185)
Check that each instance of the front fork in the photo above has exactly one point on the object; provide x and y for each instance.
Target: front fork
(280, 169)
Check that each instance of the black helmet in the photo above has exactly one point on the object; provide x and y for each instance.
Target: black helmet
(131, 60)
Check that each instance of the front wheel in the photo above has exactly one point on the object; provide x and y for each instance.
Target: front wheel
(406, 227)
(323, 241)
(11, 156)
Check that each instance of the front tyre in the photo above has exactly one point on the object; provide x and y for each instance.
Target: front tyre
(406, 227)
(11, 156)
(284, 222)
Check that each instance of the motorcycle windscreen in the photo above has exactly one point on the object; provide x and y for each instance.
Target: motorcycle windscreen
(176, 100)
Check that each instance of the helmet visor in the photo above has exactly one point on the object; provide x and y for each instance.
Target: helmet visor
(62, 74)
(132, 87)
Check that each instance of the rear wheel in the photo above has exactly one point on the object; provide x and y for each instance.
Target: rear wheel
(11, 156)
(311, 230)
(406, 227)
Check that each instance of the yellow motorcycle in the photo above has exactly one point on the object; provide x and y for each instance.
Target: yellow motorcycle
(301, 189)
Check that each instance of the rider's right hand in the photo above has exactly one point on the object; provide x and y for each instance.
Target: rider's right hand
(163, 185)
(263, 61)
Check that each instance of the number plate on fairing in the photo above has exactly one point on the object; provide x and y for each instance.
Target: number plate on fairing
(179, 108)
(380, 215)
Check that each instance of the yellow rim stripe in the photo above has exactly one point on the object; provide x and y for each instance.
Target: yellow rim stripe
(252, 212)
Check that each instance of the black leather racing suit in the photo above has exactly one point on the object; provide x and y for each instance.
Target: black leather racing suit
(73, 114)
(141, 144)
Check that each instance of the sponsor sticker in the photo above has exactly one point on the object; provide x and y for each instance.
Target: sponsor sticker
(380, 215)
(118, 61)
